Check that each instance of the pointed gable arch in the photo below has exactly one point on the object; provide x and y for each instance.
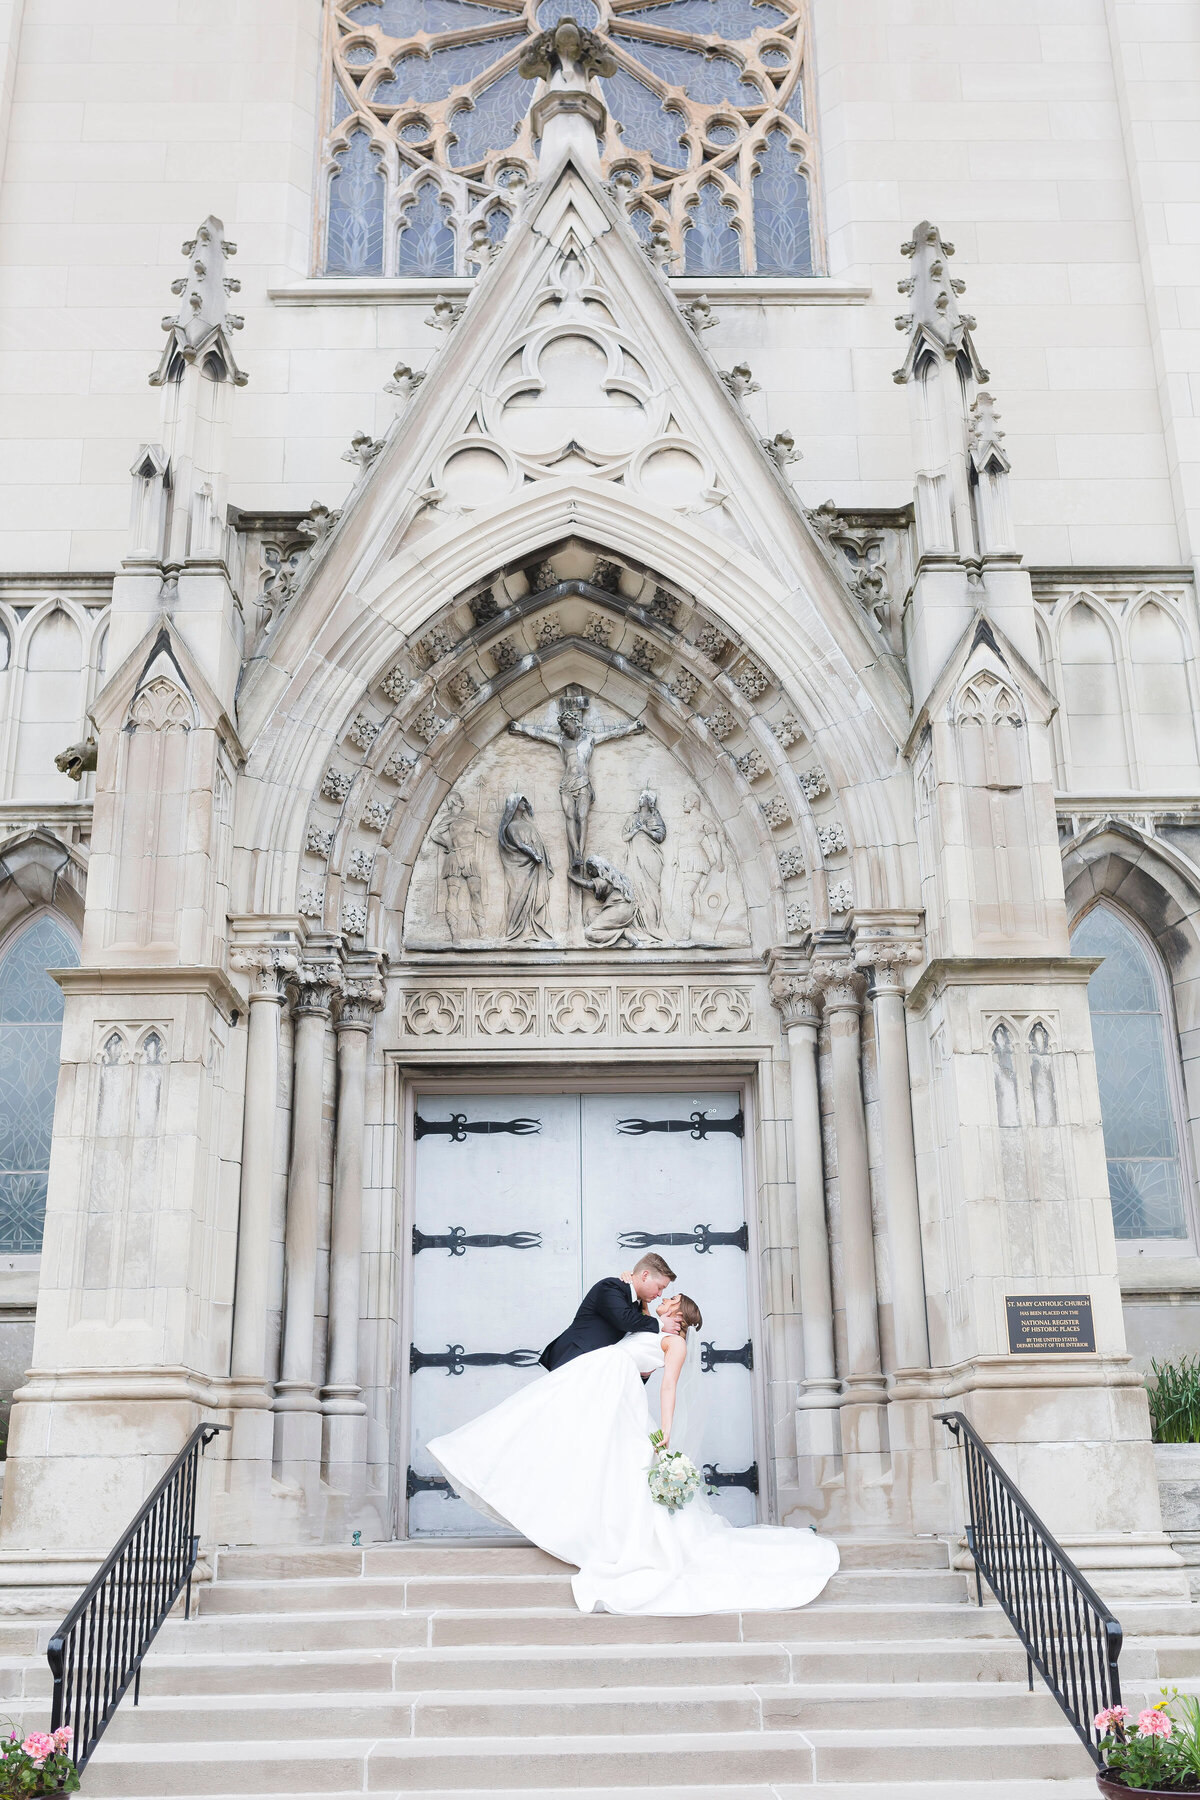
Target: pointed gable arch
(364, 788)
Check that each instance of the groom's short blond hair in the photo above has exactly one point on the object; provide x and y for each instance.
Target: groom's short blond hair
(655, 1265)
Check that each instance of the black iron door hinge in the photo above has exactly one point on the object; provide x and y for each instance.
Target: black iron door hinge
(458, 1128)
(458, 1241)
(710, 1357)
(743, 1478)
(454, 1359)
(702, 1239)
(697, 1125)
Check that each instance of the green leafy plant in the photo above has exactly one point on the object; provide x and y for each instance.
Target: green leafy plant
(36, 1764)
(1159, 1750)
(1175, 1400)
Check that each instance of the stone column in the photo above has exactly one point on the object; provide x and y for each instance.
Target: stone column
(345, 1412)
(886, 993)
(269, 971)
(296, 1404)
(796, 996)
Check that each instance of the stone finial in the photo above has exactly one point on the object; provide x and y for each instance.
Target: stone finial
(569, 114)
(567, 49)
(200, 330)
(935, 320)
(985, 436)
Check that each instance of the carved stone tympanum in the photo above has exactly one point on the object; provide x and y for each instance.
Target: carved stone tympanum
(530, 849)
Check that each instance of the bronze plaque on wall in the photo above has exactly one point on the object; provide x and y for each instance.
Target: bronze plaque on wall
(1041, 1322)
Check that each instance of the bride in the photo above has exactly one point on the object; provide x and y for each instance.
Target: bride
(565, 1462)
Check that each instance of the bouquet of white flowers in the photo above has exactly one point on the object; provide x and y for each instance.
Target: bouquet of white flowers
(674, 1478)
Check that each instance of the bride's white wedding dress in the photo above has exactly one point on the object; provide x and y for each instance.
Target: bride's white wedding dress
(565, 1460)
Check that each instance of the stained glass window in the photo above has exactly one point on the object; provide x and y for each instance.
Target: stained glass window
(426, 237)
(1134, 1048)
(356, 199)
(31, 1011)
(712, 245)
(702, 87)
(782, 233)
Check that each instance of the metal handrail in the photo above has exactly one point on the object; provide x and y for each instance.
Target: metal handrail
(1070, 1636)
(98, 1649)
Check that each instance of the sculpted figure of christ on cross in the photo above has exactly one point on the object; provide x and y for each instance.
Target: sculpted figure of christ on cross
(576, 739)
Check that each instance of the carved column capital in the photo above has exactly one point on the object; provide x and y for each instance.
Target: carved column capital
(313, 988)
(358, 1002)
(797, 996)
(885, 962)
(270, 968)
(841, 986)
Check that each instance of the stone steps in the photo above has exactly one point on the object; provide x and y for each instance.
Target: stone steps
(428, 1669)
(633, 1709)
(398, 1765)
(419, 1592)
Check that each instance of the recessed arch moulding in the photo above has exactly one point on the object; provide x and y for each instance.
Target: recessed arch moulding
(387, 830)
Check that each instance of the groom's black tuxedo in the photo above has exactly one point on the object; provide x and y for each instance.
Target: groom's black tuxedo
(605, 1314)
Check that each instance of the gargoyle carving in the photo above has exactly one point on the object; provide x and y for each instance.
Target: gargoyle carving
(77, 760)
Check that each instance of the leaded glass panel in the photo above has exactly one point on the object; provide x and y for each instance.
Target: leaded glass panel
(493, 121)
(426, 236)
(698, 73)
(1137, 1100)
(782, 233)
(702, 87)
(712, 245)
(31, 1011)
(356, 210)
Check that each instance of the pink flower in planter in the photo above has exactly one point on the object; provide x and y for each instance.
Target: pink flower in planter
(1110, 1717)
(1153, 1723)
(62, 1737)
(38, 1745)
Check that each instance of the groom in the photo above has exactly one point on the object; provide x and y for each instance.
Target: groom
(614, 1306)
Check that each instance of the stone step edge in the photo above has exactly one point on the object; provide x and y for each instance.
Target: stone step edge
(642, 1693)
(635, 1743)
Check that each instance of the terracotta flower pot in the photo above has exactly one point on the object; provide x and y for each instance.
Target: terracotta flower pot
(1116, 1790)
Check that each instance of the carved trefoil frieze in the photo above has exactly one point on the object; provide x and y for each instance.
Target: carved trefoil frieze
(653, 1010)
(505, 1011)
(548, 1012)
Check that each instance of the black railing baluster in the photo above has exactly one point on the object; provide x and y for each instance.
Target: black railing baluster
(98, 1649)
(1069, 1635)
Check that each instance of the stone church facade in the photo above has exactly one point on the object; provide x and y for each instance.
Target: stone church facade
(711, 765)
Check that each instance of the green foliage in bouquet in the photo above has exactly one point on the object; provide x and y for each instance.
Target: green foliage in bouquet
(674, 1478)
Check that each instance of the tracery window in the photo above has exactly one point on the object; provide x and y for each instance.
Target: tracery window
(427, 127)
(1137, 1065)
(31, 1012)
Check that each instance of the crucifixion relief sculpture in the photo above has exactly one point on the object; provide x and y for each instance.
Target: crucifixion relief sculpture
(642, 860)
(577, 739)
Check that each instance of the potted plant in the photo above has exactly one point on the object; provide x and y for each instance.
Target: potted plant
(1156, 1753)
(37, 1765)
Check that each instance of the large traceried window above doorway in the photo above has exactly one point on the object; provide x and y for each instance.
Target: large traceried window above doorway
(31, 1013)
(709, 143)
(1137, 1065)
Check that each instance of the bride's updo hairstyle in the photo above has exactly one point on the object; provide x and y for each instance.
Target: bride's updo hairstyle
(689, 1312)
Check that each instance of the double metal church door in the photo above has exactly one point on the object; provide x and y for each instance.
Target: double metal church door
(522, 1201)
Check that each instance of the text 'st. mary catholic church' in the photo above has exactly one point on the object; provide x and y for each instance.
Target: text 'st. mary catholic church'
(573, 833)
